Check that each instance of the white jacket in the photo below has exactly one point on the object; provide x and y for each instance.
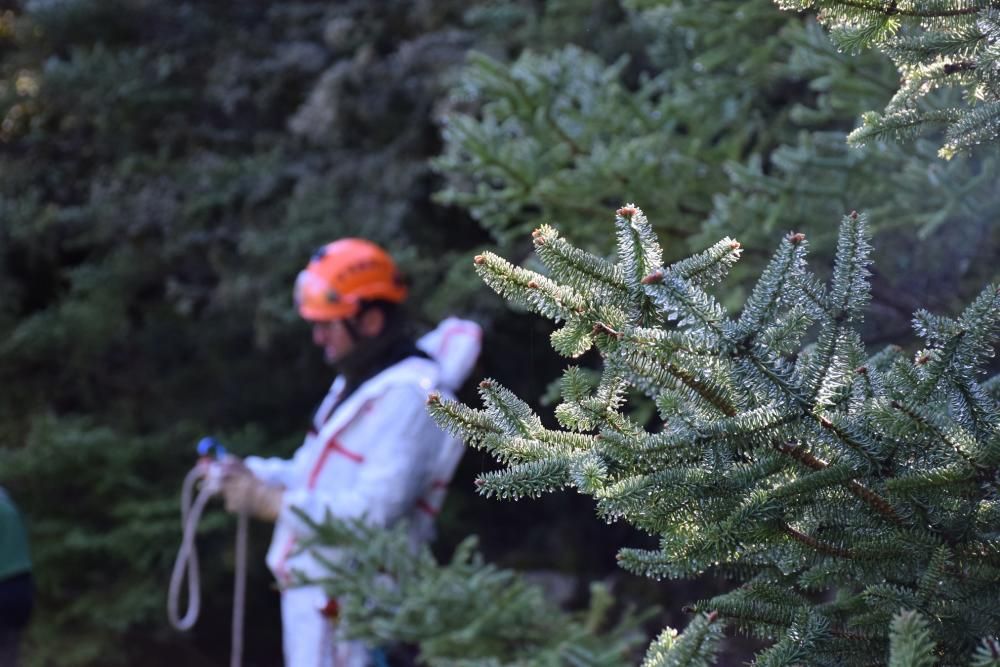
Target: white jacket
(378, 454)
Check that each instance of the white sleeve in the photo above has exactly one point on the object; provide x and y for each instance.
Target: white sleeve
(398, 466)
(278, 471)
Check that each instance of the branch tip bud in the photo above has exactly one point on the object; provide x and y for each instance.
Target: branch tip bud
(479, 482)
(654, 277)
(854, 215)
(861, 370)
(533, 284)
(433, 398)
(825, 422)
(796, 238)
(478, 259)
(485, 384)
(627, 211)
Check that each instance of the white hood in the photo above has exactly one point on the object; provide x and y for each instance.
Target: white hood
(454, 345)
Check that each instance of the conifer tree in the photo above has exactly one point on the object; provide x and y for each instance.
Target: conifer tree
(563, 132)
(729, 118)
(165, 173)
(463, 613)
(842, 489)
(935, 44)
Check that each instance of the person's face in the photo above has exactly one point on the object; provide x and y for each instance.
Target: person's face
(334, 338)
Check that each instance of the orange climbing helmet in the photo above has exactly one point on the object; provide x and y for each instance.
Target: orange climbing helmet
(341, 275)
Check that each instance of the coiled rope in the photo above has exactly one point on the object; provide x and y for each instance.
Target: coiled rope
(187, 563)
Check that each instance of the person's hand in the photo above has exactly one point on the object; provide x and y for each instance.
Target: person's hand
(245, 494)
(232, 466)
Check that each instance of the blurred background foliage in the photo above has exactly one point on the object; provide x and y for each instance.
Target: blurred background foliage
(168, 167)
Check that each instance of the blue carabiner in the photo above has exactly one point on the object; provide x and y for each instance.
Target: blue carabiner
(206, 446)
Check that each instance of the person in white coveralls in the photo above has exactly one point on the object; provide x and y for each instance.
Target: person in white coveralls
(373, 451)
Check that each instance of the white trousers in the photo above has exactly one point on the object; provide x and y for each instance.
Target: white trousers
(311, 639)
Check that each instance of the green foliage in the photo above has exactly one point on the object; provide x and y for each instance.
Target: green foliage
(165, 174)
(910, 643)
(787, 457)
(463, 613)
(105, 517)
(728, 119)
(695, 648)
(548, 128)
(935, 44)
(987, 654)
(167, 167)
(566, 133)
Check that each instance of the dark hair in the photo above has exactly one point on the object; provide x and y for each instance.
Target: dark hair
(395, 313)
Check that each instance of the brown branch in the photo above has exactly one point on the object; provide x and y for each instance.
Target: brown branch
(703, 390)
(601, 327)
(816, 545)
(877, 502)
(964, 66)
(892, 9)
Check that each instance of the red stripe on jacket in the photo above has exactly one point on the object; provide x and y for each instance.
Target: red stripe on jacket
(333, 446)
(460, 329)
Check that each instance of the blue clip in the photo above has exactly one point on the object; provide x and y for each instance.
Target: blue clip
(207, 444)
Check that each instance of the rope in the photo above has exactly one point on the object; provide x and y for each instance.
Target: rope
(239, 591)
(186, 564)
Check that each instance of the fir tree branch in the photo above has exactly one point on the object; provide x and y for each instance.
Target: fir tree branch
(694, 648)
(709, 485)
(460, 420)
(910, 643)
(843, 436)
(791, 391)
(580, 269)
(815, 544)
(926, 423)
(872, 499)
(892, 8)
(710, 266)
(703, 389)
(734, 608)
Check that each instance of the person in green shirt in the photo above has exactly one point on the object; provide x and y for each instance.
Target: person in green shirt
(16, 587)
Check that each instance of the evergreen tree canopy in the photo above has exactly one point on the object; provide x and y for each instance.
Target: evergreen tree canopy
(465, 613)
(935, 44)
(167, 168)
(840, 488)
(728, 117)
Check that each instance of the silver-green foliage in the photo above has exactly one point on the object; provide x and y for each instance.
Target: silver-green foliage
(839, 487)
(549, 127)
(729, 119)
(464, 613)
(565, 132)
(935, 44)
